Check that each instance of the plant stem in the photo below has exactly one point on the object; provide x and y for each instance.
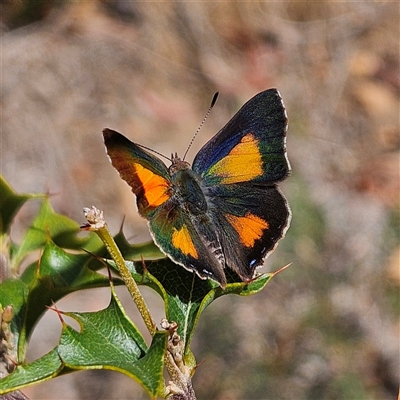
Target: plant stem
(98, 225)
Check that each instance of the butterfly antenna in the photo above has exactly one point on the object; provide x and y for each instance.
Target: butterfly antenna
(213, 101)
(154, 151)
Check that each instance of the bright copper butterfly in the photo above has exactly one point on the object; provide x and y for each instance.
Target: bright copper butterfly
(224, 211)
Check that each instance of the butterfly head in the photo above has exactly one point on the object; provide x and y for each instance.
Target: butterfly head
(177, 164)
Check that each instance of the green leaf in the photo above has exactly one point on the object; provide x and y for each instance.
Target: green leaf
(186, 295)
(55, 275)
(41, 370)
(48, 224)
(10, 203)
(109, 340)
(134, 252)
(137, 252)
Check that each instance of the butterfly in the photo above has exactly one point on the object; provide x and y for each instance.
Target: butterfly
(224, 211)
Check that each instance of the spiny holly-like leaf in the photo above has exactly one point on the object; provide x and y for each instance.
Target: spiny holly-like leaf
(108, 339)
(10, 203)
(186, 295)
(41, 370)
(48, 224)
(137, 252)
(55, 275)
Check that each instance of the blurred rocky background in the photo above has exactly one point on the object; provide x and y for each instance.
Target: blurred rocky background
(327, 327)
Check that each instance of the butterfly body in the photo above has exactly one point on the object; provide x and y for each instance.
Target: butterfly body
(224, 211)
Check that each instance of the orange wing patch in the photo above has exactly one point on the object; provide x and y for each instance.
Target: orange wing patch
(242, 164)
(250, 227)
(155, 187)
(181, 239)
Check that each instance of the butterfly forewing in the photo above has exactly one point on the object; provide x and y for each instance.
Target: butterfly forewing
(145, 174)
(251, 147)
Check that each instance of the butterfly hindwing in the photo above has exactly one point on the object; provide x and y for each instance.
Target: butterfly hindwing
(192, 245)
(252, 219)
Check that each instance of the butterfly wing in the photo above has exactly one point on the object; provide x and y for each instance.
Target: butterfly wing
(251, 147)
(240, 167)
(145, 174)
(251, 219)
(194, 246)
